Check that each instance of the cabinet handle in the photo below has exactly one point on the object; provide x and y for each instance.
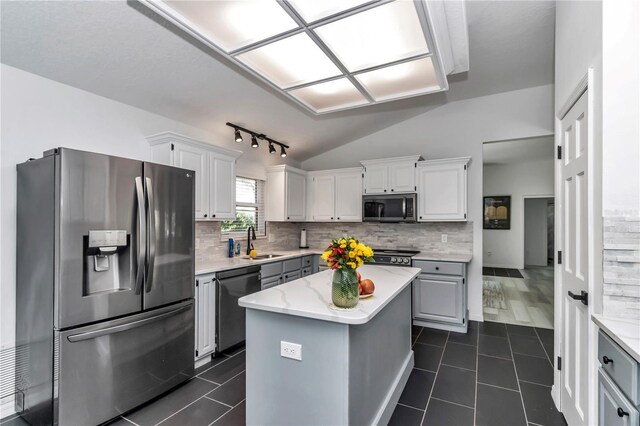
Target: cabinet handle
(607, 360)
(338, 218)
(331, 217)
(205, 215)
(420, 217)
(385, 190)
(287, 217)
(622, 413)
(392, 190)
(213, 215)
(437, 268)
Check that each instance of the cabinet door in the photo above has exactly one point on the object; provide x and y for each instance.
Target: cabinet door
(270, 282)
(376, 179)
(295, 199)
(613, 407)
(222, 184)
(205, 296)
(402, 177)
(348, 196)
(323, 197)
(196, 159)
(442, 192)
(438, 298)
(291, 276)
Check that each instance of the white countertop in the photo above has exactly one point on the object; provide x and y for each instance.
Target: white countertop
(226, 263)
(310, 297)
(624, 332)
(444, 256)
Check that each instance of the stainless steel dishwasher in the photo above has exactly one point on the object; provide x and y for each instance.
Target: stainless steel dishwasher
(232, 285)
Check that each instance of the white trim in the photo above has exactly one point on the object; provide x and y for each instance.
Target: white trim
(457, 160)
(574, 96)
(407, 158)
(164, 137)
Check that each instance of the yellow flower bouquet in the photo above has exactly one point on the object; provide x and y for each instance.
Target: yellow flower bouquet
(344, 256)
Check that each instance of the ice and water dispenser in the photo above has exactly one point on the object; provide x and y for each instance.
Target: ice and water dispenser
(107, 262)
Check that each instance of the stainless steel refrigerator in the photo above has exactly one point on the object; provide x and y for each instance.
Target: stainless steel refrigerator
(105, 273)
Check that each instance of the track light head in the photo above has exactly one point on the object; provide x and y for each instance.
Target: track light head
(272, 149)
(254, 142)
(238, 136)
(283, 153)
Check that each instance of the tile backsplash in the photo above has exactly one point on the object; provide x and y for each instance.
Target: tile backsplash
(286, 236)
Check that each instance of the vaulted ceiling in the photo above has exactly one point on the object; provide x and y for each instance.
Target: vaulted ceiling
(123, 51)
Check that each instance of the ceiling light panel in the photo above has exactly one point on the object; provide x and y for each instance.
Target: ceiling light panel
(232, 25)
(313, 10)
(290, 62)
(330, 95)
(377, 36)
(401, 80)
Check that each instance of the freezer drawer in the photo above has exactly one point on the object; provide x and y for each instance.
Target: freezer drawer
(109, 368)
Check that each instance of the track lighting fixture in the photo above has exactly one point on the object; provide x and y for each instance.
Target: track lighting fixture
(254, 139)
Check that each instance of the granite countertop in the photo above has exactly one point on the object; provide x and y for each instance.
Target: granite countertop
(310, 297)
(225, 263)
(624, 332)
(444, 256)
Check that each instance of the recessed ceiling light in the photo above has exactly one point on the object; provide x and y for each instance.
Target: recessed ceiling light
(401, 80)
(377, 36)
(330, 95)
(235, 24)
(313, 10)
(291, 61)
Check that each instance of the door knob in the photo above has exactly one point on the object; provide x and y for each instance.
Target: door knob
(583, 297)
(607, 360)
(622, 413)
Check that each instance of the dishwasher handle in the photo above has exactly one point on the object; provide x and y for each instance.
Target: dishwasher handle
(249, 270)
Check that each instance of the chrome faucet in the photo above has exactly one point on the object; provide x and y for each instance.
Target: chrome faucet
(251, 235)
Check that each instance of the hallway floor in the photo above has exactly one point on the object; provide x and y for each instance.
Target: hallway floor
(524, 301)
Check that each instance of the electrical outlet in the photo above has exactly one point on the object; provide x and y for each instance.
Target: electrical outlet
(290, 350)
(443, 238)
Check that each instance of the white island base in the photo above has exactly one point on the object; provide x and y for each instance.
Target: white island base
(355, 363)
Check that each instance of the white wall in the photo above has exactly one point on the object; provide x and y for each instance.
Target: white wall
(535, 231)
(504, 248)
(454, 130)
(39, 114)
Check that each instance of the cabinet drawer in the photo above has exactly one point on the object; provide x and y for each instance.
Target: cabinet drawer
(444, 268)
(271, 269)
(307, 261)
(291, 265)
(623, 370)
(612, 403)
(270, 282)
(306, 272)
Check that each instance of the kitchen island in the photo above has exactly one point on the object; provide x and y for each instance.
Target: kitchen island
(353, 363)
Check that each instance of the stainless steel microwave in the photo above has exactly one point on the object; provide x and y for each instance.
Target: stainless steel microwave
(389, 208)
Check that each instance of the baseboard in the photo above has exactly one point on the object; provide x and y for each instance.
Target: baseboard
(503, 266)
(386, 410)
(555, 397)
(478, 318)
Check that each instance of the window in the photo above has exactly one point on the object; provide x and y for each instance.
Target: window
(249, 207)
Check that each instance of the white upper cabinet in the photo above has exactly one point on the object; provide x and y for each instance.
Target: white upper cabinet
(390, 175)
(442, 190)
(336, 195)
(215, 169)
(286, 194)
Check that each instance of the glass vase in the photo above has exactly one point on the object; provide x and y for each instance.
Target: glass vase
(344, 288)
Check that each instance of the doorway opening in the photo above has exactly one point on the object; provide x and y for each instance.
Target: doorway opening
(518, 231)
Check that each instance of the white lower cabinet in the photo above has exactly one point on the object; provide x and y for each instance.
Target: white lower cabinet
(439, 295)
(205, 301)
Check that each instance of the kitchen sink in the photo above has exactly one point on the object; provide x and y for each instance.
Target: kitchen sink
(263, 256)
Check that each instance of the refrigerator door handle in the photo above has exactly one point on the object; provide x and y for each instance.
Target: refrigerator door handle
(152, 235)
(124, 327)
(141, 236)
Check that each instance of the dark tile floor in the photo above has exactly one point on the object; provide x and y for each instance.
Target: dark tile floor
(496, 374)
(501, 272)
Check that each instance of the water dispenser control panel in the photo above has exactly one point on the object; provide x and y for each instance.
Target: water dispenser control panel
(107, 239)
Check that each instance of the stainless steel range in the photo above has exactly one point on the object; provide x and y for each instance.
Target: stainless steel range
(397, 257)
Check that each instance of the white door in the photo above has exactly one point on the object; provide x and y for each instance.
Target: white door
(376, 179)
(196, 159)
(442, 192)
(402, 177)
(222, 197)
(296, 201)
(205, 315)
(348, 197)
(323, 197)
(574, 267)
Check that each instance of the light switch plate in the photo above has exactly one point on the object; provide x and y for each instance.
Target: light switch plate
(290, 350)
